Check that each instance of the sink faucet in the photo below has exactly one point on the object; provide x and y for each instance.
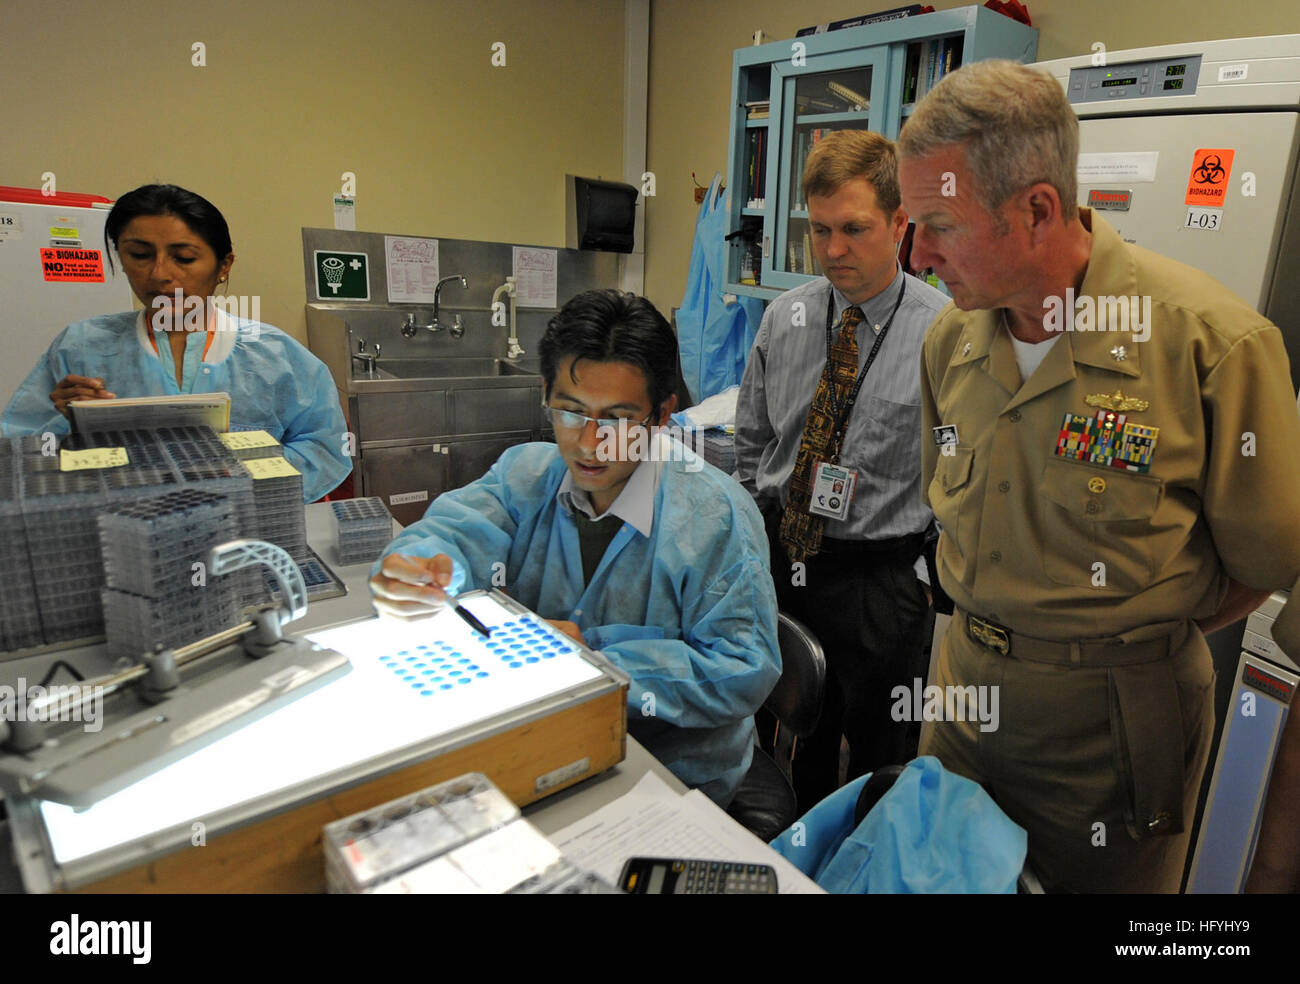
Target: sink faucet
(513, 349)
(409, 327)
(365, 358)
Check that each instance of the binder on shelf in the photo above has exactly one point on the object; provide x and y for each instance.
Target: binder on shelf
(896, 13)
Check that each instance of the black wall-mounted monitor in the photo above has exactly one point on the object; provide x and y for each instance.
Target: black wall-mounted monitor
(601, 214)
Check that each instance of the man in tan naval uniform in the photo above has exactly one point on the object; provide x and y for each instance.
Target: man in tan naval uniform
(1111, 491)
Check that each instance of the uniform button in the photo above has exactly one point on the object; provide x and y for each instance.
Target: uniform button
(1004, 486)
(1015, 416)
(1096, 485)
(1093, 506)
(995, 555)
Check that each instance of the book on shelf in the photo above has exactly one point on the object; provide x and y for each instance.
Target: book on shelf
(756, 163)
(895, 13)
(805, 140)
(927, 62)
(909, 72)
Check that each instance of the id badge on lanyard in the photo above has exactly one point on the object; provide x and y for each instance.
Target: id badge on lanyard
(832, 490)
(833, 484)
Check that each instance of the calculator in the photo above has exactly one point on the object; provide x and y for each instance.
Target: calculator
(687, 876)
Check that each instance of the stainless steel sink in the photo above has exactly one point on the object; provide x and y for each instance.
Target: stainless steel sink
(439, 369)
(466, 368)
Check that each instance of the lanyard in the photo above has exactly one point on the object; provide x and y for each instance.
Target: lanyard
(841, 417)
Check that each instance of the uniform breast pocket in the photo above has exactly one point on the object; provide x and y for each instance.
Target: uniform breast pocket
(892, 432)
(948, 492)
(1096, 525)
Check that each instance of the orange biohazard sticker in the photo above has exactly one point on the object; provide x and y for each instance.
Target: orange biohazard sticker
(78, 266)
(1208, 182)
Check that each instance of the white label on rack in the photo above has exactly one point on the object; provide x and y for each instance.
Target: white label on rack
(1233, 73)
(402, 498)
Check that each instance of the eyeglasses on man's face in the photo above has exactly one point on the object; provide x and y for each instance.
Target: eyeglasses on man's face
(572, 420)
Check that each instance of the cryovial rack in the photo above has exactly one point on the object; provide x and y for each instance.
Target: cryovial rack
(362, 528)
(371, 847)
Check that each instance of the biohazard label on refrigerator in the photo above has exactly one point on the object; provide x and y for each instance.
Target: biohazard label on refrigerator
(1208, 182)
(75, 266)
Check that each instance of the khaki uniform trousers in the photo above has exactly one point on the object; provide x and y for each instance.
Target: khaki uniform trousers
(1098, 753)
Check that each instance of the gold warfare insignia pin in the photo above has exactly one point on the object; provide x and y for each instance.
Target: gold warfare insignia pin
(1116, 401)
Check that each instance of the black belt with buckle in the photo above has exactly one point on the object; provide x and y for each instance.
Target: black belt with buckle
(989, 634)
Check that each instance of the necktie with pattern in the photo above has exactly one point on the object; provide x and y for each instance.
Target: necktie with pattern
(801, 531)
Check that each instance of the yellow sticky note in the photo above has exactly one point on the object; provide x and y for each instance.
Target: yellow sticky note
(270, 468)
(92, 458)
(243, 440)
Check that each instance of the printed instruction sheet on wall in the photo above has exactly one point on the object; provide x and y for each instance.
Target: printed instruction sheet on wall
(535, 277)
(412, 269)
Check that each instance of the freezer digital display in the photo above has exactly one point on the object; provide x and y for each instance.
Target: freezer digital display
(1176, 70)
(1109, 82)
(1173, 83)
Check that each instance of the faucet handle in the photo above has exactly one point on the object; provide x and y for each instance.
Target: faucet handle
(376, 350)
(361, 344)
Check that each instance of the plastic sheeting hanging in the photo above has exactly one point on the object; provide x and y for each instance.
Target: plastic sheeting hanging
(714, 338)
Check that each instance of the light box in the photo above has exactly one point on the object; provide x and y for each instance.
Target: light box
(425, 701)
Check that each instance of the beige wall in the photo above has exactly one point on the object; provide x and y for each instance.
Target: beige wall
(402, 92)
(690, 81)
(295, 92)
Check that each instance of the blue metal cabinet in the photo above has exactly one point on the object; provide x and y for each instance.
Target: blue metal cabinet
(850, 79)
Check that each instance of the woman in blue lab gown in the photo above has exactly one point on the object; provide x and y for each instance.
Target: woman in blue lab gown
(175, 249)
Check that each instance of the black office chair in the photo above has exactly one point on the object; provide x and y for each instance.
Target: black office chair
(765, 803)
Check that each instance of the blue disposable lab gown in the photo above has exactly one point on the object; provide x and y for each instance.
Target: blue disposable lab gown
(932, 832)
(688, 613)
(275, 384)
(714, 338)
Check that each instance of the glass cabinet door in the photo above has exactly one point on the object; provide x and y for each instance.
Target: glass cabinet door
(843, 91)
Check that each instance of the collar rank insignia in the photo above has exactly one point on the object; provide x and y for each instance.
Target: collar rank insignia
(1116, 401)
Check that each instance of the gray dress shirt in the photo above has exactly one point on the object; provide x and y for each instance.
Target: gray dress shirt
(882, 440)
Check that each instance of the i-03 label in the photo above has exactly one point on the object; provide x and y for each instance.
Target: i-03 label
(1203, 218)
